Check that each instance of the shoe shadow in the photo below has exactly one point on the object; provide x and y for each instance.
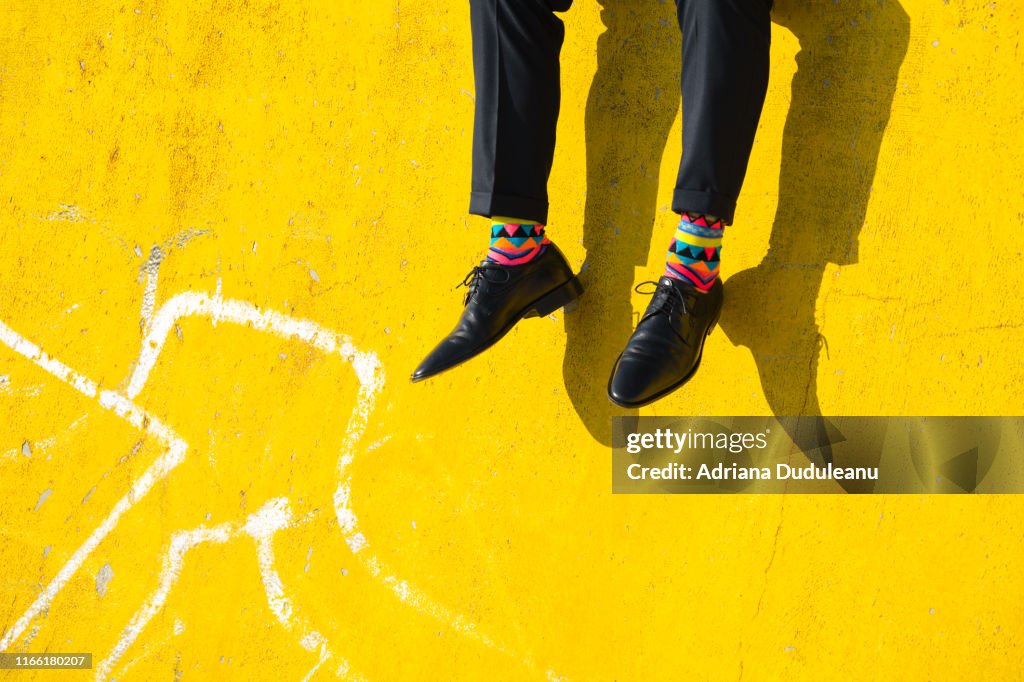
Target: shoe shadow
(849, 60)
(631, 107)
(847, 68)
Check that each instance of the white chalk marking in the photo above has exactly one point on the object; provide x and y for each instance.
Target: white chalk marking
(261, 526)
(377, 443)
(148, 651)
(181, 543)
(175, 455)
(31, 636)
(366, 366)
(29, 350)
(157, 471)
(406, 593)
(28, 448)
(371, 378)
(323, 657)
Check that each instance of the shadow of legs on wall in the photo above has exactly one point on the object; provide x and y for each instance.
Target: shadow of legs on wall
(849, 60)
(632, 104)
(842, 93)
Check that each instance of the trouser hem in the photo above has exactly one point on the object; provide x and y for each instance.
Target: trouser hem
(700, 201)
(490, 204)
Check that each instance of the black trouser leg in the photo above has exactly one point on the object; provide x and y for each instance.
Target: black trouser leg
(724, 80)
(515, 64)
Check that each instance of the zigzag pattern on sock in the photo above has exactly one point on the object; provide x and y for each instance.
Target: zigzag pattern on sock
(695, 250)
(516, 243)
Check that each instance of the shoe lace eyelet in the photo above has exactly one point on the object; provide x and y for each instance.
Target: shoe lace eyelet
(480, 274)
(671, 297)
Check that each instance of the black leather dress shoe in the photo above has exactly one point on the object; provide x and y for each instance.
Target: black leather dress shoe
(498, 296)
(665, 350)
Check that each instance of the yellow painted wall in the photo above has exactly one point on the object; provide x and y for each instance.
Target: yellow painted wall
(311, 159)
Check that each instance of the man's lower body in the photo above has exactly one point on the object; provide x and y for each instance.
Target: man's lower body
(725, 61)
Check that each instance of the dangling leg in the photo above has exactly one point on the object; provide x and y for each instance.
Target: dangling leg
(724, 80)
(516, 45)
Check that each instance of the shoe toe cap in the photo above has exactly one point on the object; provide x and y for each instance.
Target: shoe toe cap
(449, 353)
(636, 380)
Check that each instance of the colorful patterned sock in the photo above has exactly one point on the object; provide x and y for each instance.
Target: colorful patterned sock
(515, 241)
(694, 253)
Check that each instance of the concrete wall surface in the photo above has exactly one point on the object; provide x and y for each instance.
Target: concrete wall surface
(230, 229)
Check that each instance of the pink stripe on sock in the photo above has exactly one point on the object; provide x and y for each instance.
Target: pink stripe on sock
(524, 257)
(688, 276)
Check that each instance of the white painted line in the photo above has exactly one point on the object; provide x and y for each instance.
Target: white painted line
(269, 519)
(29, 350)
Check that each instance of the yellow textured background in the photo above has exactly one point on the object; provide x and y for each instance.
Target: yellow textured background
(312, 159)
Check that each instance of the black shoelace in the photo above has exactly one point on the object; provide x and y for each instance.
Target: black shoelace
(478, 275)
(666, 297)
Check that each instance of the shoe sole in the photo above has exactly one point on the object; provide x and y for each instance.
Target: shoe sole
(665, 391)
(559, 297)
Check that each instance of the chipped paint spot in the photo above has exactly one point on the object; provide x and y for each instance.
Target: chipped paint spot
(68, 212)
(43, 496)
(103, 578)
